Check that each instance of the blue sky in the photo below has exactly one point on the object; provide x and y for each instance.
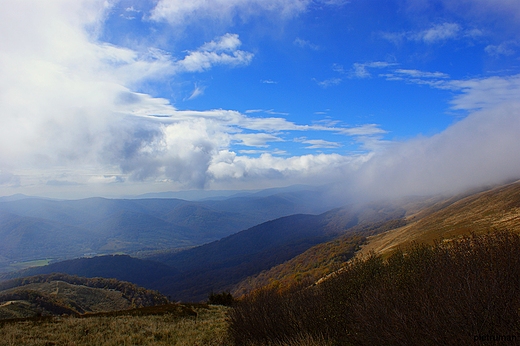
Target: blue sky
(380, 97)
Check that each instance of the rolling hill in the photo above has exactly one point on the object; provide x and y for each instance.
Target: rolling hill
(58, 294)
(35, 228)
(302, 247)
(192, 274)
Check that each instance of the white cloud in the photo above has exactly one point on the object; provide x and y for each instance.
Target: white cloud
(328, 82)
(421, 74)
(318, 143)
(179, 12)
(505, 48)
(363, 130)
(269, 170)
(360, 70)
(482, 93)
(439, 32)
(223, 51)
(481, 149)
(305, 44)
(256, 139)
(72, 122)
(507, 11)
(470, 94)
(71, 117)
(197, 91)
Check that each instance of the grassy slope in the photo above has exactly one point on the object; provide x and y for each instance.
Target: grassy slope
(171, 328)
(495, 209)
(81, 298)
(59, 294)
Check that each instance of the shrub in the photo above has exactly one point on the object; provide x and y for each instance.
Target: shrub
(452, 293)
(222, 298)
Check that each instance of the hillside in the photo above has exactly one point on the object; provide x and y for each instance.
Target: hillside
(318, 261)
(165, 325)
(59, 294)
(191, 275)
(494, 209)
(300, 248)
(459, 292)
(121, 267)
(35, 228)
(223, 264)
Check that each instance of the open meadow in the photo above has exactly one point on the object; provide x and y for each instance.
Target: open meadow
(208, 327)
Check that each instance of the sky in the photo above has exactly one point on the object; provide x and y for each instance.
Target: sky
(380, 98)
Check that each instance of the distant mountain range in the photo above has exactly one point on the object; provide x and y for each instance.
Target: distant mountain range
(192, 274)
(36, 228)
(300, 246)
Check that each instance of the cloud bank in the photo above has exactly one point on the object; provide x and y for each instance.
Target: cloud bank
(72, 117)
(482, 149)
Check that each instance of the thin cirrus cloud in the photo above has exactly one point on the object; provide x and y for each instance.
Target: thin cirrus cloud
(178, 12)
(503, 49)
(305, 44)
(256, 139)
(318, 143)
(197, 91)
(435, 34)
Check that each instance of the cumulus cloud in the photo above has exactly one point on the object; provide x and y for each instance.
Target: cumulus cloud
(71, 116)
(272, 170)
(223, 51)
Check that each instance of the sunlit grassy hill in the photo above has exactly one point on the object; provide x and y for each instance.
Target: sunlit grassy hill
(494, 209)
(58, 294)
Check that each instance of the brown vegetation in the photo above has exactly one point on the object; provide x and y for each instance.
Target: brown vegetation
(450, 293)
(60, 294)
(495, 209)
(147, 327)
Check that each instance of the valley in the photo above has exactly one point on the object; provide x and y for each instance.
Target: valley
(282, 255)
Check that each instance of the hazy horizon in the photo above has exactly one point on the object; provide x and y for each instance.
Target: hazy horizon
(120, 98)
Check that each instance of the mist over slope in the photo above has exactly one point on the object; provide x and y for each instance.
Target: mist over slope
(487, 211)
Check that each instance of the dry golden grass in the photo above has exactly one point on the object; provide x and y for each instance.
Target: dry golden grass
(208, 328)
(496, 209)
